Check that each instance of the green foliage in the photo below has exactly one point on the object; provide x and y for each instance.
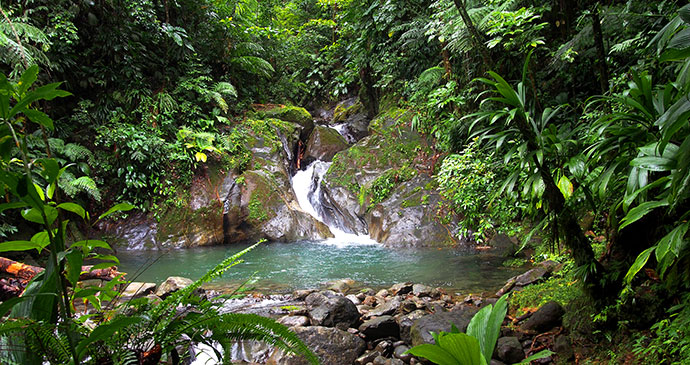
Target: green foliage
(668, 340)
(382, 187)
(563, 287)
(469, 182)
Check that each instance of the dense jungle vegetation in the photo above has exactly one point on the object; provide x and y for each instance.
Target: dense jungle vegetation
(564, 123)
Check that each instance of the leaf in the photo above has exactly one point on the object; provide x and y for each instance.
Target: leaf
(19, 246)
(566, 187)
(200, 156)
(34, 215)
(639, 263)
(433, 353)
(91, 244)
(14, 205)
(121, 207)
(653, 163)
(41, 238)
(485, 326)
(7, 305)
(464, 348)
(74, 261)
(104, 331)
(51, 168)
(74, 208)
(539, 355)
(671, 242)
(640, 211)
(39, 117)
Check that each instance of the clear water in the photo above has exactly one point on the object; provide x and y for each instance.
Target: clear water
(283, 267)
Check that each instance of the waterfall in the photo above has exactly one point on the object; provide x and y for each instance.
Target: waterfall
(307, 187)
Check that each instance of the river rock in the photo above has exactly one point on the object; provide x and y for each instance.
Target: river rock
(401, 288)
(407, 217)
(331, 345)
(389, 307)
(353, 298)
(405, 323)
(509, 350)
(400, 353)
(367, 358)
(323, 144)
(542, 270)
(380, 327)
(173, 284)
(334, 312)
(545, 318)
(138, 290)
(437, 322)
(294, 114)
(341, 286)
(294, 321)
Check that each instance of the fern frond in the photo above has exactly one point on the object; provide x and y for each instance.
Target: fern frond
(248, 48)
(253, 65)
(87, 185)
(76, 152)
(430, 77)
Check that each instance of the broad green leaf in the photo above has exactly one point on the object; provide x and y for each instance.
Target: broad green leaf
(121, 207)
(41, 238)
(19, 246)
(74, 262)
(485, 326)
(565, 186)
(51, 168)
(39, 191)
(74, 208)
(39, 117)
(46, 92)
(86, 292)
(653, 163)
(15, 205)
(639, 263)
(103, 265)
(433, 353)
(27, 79)
(640, 211)
(462, 347)
(91, 244)
(672, 242)
(108, 258)
(7, 305)
(34, 215)
(200, 156)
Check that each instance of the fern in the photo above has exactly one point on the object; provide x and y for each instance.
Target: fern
(254, 65)
(87, 185)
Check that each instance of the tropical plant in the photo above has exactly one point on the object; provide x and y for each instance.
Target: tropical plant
(476, 347)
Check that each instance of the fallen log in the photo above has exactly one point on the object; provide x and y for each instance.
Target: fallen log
(20, 274)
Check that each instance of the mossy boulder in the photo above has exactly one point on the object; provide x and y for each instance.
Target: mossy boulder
(408, 217)
(293, 114)
(351, 119)
(323, 144)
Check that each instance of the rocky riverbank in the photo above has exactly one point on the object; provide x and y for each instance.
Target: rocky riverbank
(366, 326)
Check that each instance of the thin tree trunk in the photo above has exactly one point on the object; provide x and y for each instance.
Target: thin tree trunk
(477, 38)
(601, 52)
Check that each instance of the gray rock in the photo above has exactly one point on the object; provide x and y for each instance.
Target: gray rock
(341, 286)
(380, 327)
(323, 144)
(331, 345)
(172, 284)
(545, 318)
(441, 321)
(389, 307)
(405, 323)
(399, 353)
(367, 357)
(294, 321)
(503, 245)
(421, 290)
(509, 350)
(353, 298)
(563, 347)
(401, 288)
(334, 312)
(137, 290)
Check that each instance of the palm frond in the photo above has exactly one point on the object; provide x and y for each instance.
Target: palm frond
(254, 65)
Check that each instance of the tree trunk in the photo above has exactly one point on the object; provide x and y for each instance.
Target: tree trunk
(477, 38)
(601, 52)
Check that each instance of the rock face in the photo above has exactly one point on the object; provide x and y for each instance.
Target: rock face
(352, 120)
(323, 144)
(380, 327)
(336, 311)
(331, 345)
(437, 322)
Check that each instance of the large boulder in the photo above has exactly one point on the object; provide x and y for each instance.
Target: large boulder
(407, 217)
(334, 311)
(550, 315)
(323, 144)
(380, 327)
(331, 345)
(351, 120)
(509, 350)
(293, 114)
(173, 284)
(420, 332)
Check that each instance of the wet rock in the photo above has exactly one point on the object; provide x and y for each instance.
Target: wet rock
(563, 347)
(294, 321)
(342, 285)
(380, 327)
(353, 298)
(331, 345)
(407, 217)
(138, 290)
(173, 284)
(389, 307)
(351, 119)
(441, 321)
(421, 290)
(323, 144)
(503, 245)
(302, 294)
(334, 312)
(401, 288)
(545, 318)
(509, 350)
(293, 114)
(408, 305)
(399, 353)
(382, 293)
(367, 358)
(405, 323)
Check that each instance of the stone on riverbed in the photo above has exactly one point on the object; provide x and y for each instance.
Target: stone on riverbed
(336, 311)
(440, 321)
(331, 345)
(380, 327)
(138, 290)
(173, 284)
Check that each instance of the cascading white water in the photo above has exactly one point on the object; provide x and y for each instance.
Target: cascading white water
(307, 187)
